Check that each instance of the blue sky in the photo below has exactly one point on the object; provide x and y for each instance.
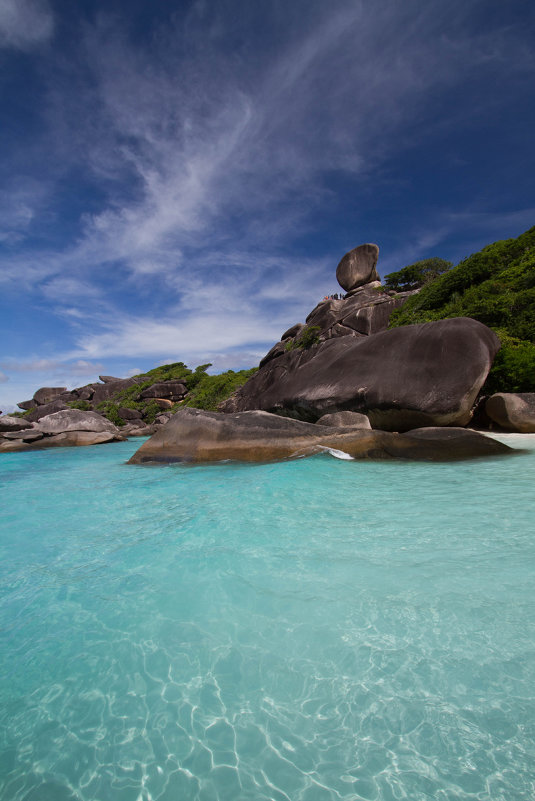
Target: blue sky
(180, 179)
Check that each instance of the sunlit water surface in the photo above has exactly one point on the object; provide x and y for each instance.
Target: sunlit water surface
(311, 630)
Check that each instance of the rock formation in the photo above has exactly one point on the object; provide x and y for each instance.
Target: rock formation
(60, 429)
(358, 267)
(193, 435)
(342, 368)
(404, 378)
(345, 359)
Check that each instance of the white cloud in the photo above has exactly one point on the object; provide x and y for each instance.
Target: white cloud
(208, 163)
(3, 378)
(25, 23)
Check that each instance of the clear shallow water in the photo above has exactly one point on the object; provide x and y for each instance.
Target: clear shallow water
(311, 630)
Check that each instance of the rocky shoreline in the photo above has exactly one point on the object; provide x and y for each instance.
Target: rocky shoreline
(341, 380)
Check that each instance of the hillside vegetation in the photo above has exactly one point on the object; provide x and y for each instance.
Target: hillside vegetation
(203, 391)
(497, 287)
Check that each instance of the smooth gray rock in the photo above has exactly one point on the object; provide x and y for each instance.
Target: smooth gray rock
(109, 379)
(47, 394)
(193, 435)
(358, 267)
(345, 420)
(513, 411)
(404, 378)
(36, 414)
(76, 420)
(8, 423)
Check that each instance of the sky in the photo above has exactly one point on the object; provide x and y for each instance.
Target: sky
(179, 180)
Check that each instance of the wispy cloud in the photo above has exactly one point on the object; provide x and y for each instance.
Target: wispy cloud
(25, 23)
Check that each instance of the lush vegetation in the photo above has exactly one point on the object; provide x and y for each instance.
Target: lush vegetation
(204, 391)
(497, 287)
(416, 275)
(211, 390)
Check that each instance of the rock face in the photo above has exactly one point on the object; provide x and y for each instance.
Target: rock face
(403, 378)
(197, 436)
(514, 412)
(358, 267)
(367, 311)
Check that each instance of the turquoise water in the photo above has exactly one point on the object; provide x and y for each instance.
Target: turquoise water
(311, 630)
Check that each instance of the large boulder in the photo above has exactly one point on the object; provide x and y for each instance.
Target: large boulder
(76, 420)
(8, 423)
(193, 435)
(358, 267)
(47, 394)
(403, 378)
(514, 412)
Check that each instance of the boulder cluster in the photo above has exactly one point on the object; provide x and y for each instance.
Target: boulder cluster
(59, 429)
(52, 421)
(344, 358)
(342, 379)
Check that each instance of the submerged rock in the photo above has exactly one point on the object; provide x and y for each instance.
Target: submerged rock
(193, 435)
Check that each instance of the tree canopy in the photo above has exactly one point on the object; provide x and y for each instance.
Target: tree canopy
(416, 275)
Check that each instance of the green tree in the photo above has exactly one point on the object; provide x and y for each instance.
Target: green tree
(416, 275)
